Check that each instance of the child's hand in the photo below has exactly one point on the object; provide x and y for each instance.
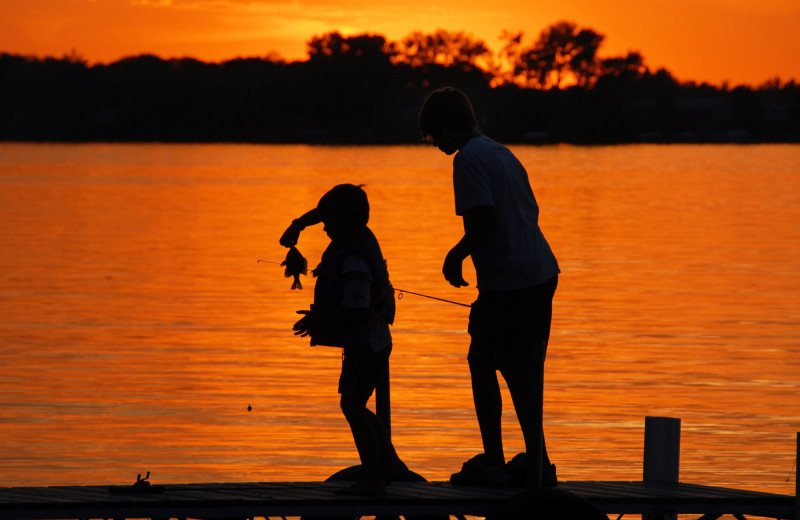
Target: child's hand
(304, 325)
(292, 234)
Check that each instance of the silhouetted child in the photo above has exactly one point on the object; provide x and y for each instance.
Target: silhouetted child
(517, 274)
(352, 310)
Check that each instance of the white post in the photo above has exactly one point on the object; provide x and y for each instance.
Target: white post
(797, 480)
(662, 447)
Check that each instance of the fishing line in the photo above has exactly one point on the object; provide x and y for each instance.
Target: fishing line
(399, 291)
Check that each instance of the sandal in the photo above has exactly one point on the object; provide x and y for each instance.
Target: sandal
(517, 468)
(477, 471)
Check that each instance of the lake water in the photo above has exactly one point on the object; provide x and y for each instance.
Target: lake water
(137, 324)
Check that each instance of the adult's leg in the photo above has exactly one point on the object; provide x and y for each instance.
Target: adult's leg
(548, 293)
(525, 377)
(485, 334)
(488, 409)
(526, 384)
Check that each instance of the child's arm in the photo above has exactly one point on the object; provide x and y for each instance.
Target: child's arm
(348, 319)
(292, 233)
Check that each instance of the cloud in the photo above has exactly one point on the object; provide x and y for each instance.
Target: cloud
(221, 6)
(149, 3)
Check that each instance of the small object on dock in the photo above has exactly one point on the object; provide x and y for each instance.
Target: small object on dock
(142, 485)
(249, 408)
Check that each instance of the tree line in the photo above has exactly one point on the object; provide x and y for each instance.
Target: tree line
(364, 89)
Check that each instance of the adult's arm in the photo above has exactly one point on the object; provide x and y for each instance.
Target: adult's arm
(479, 223)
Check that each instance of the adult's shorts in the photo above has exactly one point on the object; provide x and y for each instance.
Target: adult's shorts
(511, 328)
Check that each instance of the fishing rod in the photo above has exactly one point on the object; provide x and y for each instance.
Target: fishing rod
(400, 292)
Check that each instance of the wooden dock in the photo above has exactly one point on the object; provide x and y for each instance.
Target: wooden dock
(660, 495)
(426, 499)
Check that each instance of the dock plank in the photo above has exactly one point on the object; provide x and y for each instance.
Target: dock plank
(265, 499)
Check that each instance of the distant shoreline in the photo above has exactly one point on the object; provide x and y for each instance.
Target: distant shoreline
(360, 101)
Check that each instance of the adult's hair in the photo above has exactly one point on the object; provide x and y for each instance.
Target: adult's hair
(447, 107)
(345, 203)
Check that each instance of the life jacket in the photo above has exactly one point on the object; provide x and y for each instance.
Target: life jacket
(328, 289)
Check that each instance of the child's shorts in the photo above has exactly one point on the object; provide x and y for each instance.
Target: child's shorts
(511, 328)
(361, 372)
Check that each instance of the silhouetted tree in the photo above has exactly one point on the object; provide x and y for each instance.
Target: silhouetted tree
(508, 57)
(583, 62)
(363, 89)
(560, 50)
(441, 48)
(326, 46)
(334, 46)
(348, 94)
(631, 66)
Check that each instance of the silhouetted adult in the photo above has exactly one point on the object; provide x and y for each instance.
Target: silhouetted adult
(517, 274)
(351, 311)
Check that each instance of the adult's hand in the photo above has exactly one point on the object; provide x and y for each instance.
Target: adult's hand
(452, 268)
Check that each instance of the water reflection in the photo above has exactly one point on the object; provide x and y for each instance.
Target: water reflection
(137, 325)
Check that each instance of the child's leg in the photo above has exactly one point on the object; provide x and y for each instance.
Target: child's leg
(392, 466)
(366, 439)
(356, 385)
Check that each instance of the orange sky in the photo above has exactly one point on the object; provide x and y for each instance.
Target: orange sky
(738, 41)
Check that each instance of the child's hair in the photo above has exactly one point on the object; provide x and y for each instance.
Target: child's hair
(447, 107)
(346, 203)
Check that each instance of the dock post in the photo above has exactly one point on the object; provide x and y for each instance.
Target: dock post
(383, 401)
(662, 447)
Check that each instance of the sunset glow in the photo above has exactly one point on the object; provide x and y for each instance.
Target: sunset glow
(715, 41)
